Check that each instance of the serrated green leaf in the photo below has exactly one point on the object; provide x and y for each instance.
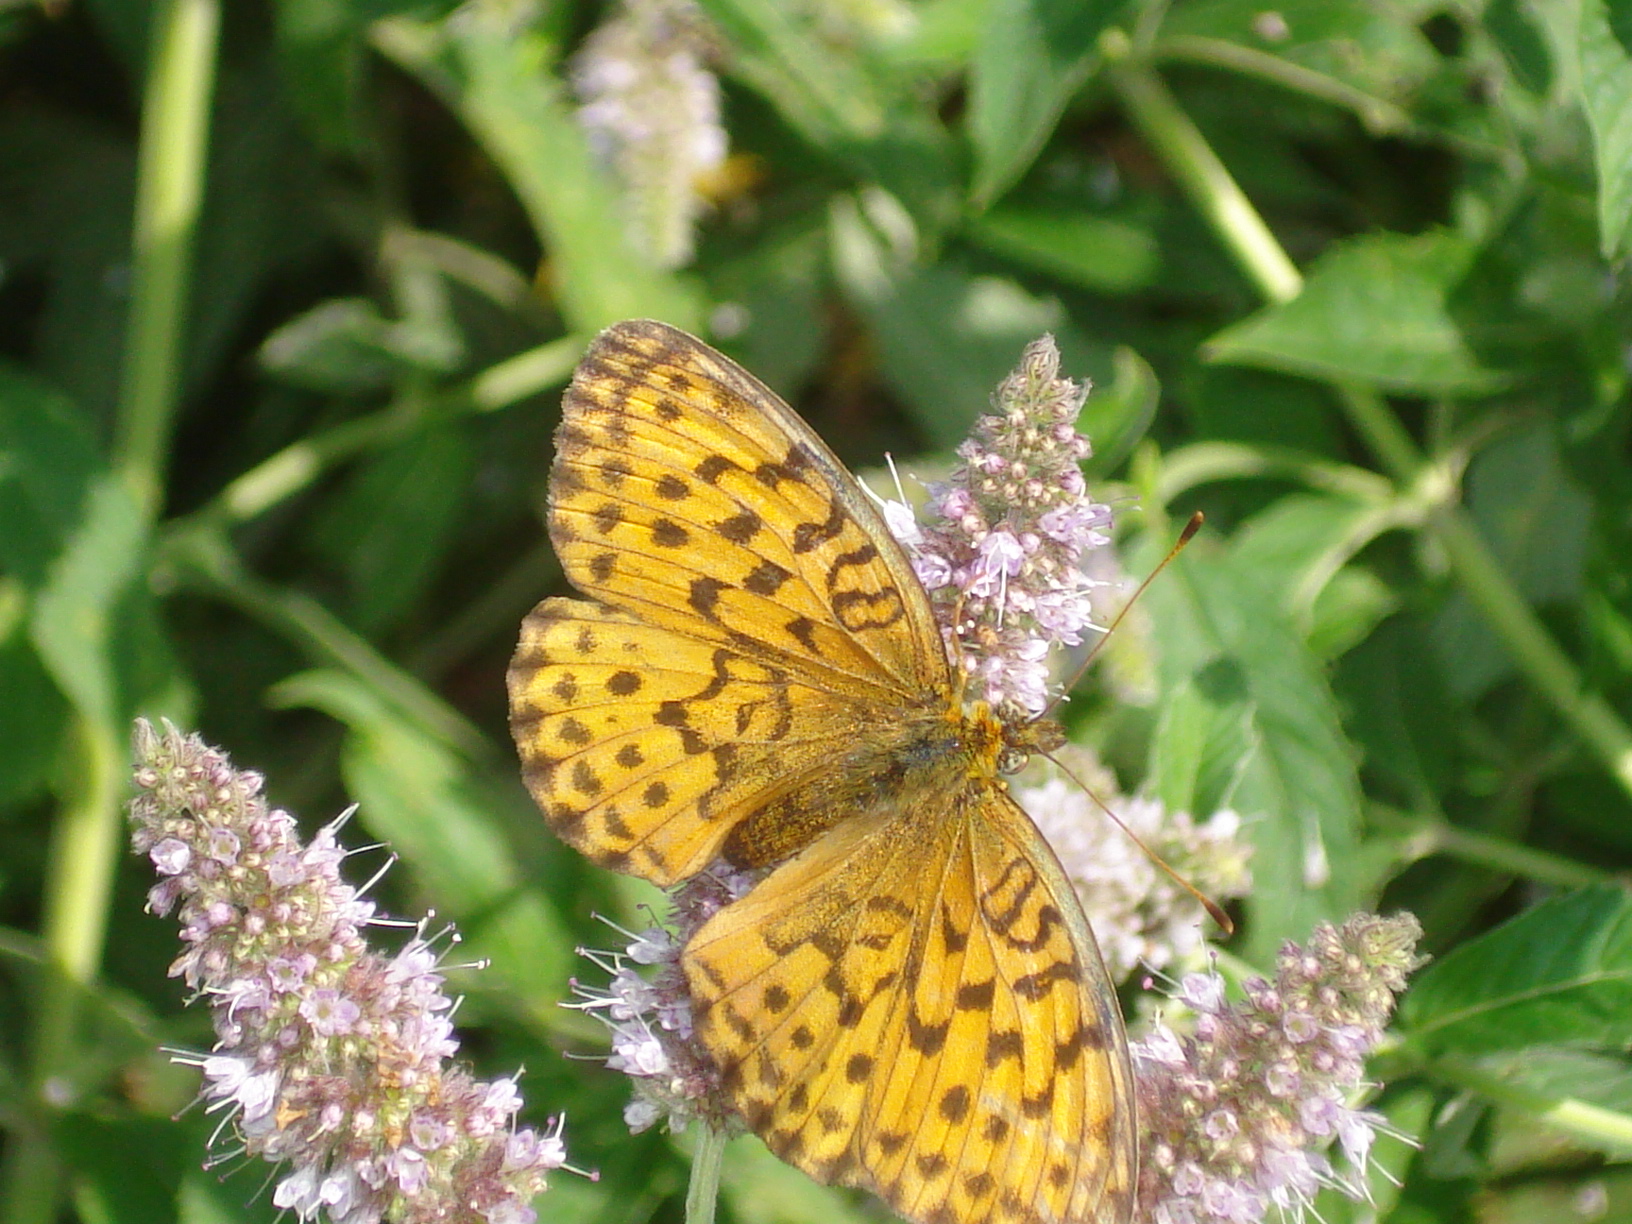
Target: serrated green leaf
(1297, 792)
(1374, 309)
(1559, 974)
(1031, 57)
(1604, 62)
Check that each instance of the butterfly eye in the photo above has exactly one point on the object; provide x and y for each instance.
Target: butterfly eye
(1012, 760)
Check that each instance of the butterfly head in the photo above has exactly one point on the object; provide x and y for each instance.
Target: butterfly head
(1005, 743)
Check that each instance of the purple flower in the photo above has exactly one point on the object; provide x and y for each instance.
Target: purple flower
(1006, 535)
(326, 1049)
(1268, 1096)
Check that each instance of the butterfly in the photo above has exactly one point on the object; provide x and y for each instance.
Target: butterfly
(911, 1001)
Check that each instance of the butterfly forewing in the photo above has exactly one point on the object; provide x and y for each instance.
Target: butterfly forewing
(912, 1001)
(687, 493)
(644, 747)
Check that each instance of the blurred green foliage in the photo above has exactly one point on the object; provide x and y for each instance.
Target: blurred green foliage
(274, 470)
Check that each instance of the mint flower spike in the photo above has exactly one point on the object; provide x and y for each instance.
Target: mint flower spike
(649, 1016)
(331, 1058)
(1005, 537)
(651, 111)
(1235, 1115)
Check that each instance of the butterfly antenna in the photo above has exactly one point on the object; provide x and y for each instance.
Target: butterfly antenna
(1185, 536)
(1207, 903)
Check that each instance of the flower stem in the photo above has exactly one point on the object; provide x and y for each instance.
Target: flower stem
(704, 1190)
(169, 189)
(1428, 835)
(1603, 1129)
(1191, 160)
(169, 192)
(1243, 232)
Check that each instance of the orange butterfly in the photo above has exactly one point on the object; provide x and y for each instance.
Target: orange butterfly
(911, 1001)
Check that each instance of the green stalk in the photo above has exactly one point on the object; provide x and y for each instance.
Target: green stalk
(298, 465)
(1598, 1128)
(1192, 162)
(169, 192)
(85, 842)
(1427, 835)
(704, 1190)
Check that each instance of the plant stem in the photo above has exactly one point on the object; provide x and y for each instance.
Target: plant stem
(1428, 835)
(704, 1190)
(295, 467)
(1602, 1129)
(1191, 160)
(1238, 226)
(84, 849)
(169, 192)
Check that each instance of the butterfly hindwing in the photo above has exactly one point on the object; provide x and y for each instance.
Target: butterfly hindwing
(916, 1006)
(685, 492)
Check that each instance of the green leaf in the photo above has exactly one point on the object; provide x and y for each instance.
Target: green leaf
(390, 529)
(1559, 974)
(499, 81)
(129, 1170)
(341, 346)
(844, 102)
(48, 458)
(1297, 792)
(945, 338)
(1032, 56)
(32, 715)
(1398, 710)
(420, 797)
(1603, 47)
(1118, 414)
(1373, 309)
(73, 623)
(1102, 254)
(1298, 543)
(1202, 742)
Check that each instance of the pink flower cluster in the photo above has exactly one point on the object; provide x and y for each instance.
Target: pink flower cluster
(1001, 554)
(1235, 1115)
(331, 1057)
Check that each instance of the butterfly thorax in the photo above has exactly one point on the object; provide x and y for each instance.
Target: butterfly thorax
(940, 748)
